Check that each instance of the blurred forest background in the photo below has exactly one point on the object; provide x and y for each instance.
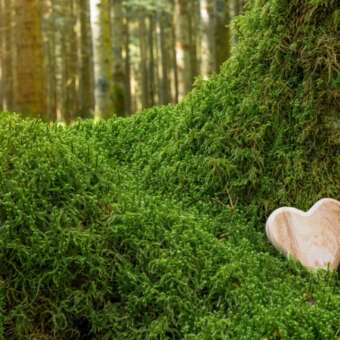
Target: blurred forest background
(66, 59)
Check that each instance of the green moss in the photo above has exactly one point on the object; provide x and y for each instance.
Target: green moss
(151, 227)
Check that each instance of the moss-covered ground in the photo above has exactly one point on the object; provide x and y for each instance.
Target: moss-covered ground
(152, 227)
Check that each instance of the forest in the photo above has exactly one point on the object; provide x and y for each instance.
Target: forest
(66, 59)
(143, 145)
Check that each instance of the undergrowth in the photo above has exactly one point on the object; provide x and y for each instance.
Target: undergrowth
(151, 227)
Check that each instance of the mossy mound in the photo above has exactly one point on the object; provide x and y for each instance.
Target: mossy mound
(265, 131)
(139, 228)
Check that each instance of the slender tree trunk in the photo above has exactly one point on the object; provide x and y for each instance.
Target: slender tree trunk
(119, 96)
(165, 58)
(71, 59)
(194, 22)
(174, 68)
(49, 50)
(30, 96)
(127, 64)
(182, 27)
(60, 53)
(222, 35)
(143, 62)
(8, 55)
(102, 55)
(136, 66)
(86, 77)
(151, 60)
(208, 50)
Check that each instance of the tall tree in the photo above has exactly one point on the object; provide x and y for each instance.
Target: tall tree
(86, 81)
(151, 58)
(49, 35)
(60, 18)
(30, 86)
(164, 56)
(194, 33)
(222, 34)
(8, 55)
(208, 50)
(127, 65)
(183, 61)
(119, 95)
(71, 60)
(102, 57)
(144, 77)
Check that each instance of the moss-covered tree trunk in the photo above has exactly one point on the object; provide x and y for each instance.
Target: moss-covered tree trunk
(30, 95)
(102, 57)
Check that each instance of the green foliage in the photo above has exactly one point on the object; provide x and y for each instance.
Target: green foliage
(151, 227)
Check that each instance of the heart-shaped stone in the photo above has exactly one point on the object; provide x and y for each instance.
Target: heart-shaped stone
(312, 237)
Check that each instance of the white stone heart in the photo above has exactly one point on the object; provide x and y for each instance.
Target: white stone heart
(312, 237)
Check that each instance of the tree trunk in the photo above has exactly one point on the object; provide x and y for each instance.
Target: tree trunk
(8, 55)
(86, 81)
(29, 94)
(102, 55)
(143, 62)
(183, 60)
(208, 50)
(127, 58)
(60, 25)
(118, 62)
(194, 23)
(151, 60)
(173, 65)
(71, 60)
(50, 67)
(222, 34)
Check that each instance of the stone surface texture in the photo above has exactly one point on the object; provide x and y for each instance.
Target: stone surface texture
(312, 237)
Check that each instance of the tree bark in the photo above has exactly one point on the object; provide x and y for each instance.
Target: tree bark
(151, 59)
(102, 55)
(8, 55)
(208, 50)
(143, 62)
(182, 30)
(222, 35)
(119, 96)
(30, 95)
(127, 64)
(86, 77)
